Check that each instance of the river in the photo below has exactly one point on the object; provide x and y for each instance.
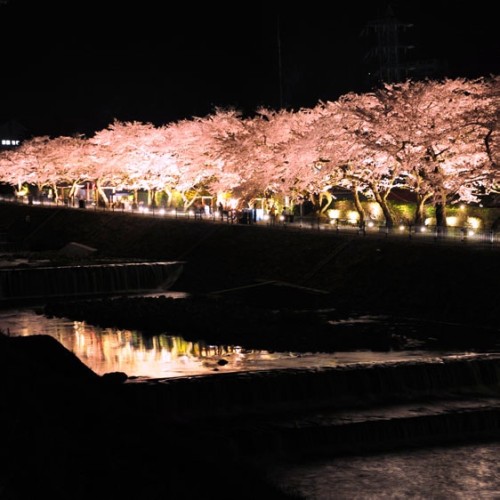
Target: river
(453, 472)
(106, 350)
(468, 471)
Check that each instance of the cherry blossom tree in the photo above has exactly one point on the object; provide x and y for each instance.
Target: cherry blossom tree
(208, 151)
(32, 164)
(425, 136)
(292, 158)
(268, 153)
(197, 146)
(16, 171)
(438, 139)
(240, 143)
(372, 166)
(341, 156)
(485, 117)
(443, 130)
(69, 163)
(131, 155)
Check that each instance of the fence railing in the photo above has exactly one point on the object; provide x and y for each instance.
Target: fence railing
(427, 233)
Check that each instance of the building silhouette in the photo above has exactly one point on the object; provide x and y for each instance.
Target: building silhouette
(12, 133)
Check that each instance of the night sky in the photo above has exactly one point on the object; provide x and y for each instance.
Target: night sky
(72, 67)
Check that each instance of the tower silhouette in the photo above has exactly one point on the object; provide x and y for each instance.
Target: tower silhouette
(389, 58)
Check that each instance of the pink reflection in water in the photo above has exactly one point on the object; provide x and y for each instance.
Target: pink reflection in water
(107, 350)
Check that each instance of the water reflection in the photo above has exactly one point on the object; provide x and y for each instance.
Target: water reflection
(107, 350)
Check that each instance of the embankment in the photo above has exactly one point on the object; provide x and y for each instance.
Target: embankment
(444, 282)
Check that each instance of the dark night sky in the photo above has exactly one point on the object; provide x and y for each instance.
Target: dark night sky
(70, 67)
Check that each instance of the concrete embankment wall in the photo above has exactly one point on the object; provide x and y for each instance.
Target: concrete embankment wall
(322, 389)
(333, 410)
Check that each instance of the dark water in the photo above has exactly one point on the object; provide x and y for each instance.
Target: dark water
(107, 350)
(455, 472)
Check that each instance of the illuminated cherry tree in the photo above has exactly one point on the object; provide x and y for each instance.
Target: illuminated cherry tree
(129, 155)
(290, 153)
(33, 164)
(426, 136)
(196, 147)
(16, 171)
(344, 160)
(439, 132)
(436, 139)
(237, 145)
(70, 164)
(372, 164)
(482, 120)
(267, 154)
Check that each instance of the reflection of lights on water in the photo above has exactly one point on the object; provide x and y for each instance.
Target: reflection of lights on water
(106, 350)
(130, 352)
(164, 356)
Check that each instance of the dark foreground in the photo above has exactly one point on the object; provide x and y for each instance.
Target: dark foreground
(67, 433)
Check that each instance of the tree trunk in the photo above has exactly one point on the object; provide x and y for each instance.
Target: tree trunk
(101, 195)
(56, 194)
(72, 192)
(382, 201)
(152, 199)
(168, 194)
(359, 206)
(325, 195)
(420, 209)
(440, 215)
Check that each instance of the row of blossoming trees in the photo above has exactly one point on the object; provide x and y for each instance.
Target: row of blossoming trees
(437, 139)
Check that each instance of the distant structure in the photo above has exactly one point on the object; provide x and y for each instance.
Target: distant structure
(12, 134)
(388, 60)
